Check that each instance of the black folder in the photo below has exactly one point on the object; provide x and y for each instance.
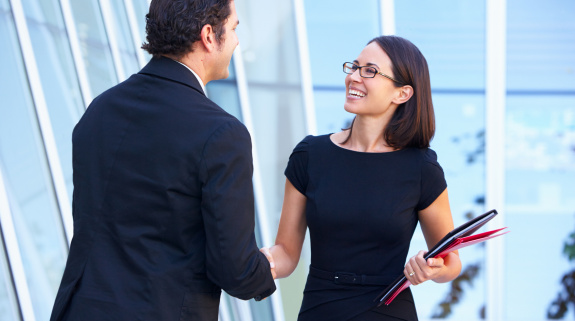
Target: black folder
(458, 238)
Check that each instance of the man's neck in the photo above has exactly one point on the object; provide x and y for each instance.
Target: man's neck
(196, 69)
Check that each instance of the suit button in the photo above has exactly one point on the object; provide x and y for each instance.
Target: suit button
(258, 298)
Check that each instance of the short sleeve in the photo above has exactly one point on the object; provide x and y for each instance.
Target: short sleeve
(296, 170)
(432, 180)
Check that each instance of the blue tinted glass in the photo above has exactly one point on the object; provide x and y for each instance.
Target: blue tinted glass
(8, 301)
(459, 144)
(57, 75)
(540, 174)
(124, 39)
(141, 8)
(540, 180)
(26, 177)
(336, 34)
(94, 44)
(451, 36)
(267, 34)
(541, 45)
(224, 92)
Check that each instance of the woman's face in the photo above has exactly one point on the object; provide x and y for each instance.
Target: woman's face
(371, 96)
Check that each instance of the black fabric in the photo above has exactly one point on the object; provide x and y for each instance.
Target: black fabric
(361, 210)
(163, 205)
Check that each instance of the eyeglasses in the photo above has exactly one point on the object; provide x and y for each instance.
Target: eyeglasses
(364, 71)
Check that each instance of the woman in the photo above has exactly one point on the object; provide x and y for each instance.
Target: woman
(362, 191)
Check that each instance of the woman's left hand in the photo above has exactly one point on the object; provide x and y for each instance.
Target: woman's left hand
(418, 270)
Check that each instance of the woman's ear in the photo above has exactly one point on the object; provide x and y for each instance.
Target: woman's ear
(403, 94)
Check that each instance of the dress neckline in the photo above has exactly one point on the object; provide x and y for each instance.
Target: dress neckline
(331, 142)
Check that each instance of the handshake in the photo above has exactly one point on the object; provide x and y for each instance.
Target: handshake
(267, 252)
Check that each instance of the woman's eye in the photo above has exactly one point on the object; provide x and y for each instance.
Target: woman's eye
(370, 71)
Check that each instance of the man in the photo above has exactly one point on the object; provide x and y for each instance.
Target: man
(163, 200)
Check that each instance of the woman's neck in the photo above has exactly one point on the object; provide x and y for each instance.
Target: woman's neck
(367, 136)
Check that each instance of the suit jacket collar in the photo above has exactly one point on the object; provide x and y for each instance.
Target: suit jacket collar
(167, 68)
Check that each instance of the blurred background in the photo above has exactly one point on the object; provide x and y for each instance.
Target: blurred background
(503, 81)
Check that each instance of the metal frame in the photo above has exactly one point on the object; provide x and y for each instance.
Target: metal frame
(108, 18)
(81, 71)
(134, 29)
(495, 100)
(387, 17)
(14, 257)
(43, 118)
(266, 237)
(305, 67)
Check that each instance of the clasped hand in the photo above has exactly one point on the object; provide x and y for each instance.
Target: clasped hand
(268, 254)
(418, 270)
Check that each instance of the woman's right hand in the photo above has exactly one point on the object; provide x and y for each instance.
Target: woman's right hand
(268, 254)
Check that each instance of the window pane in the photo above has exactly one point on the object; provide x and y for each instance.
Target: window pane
(336, 34)
(541, 45)
(224, 92)
(269, 46)
(141, 8)
(269, 50)
(57, 74)
(459, 143)
(540, 181)
(28, 183)
(451, 36)
(124, 38)
(94, 44)
(540, 158)
(8, 302)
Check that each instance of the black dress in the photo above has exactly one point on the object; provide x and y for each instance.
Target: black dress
(361, 210)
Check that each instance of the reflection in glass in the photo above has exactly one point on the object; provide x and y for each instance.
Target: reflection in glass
(8, 301)
(224, 92)
(336, 36)
(94, 45)
(454, 47)
(541, 43)
(540, 158)
(267, 34)
(141, 8)
(27, 180)
(124, 38)
(460, 145)
(59, 82)
(451, 36)
(540, 180)
(269, 51)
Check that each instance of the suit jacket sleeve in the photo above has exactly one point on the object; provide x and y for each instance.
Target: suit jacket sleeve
(233, 260)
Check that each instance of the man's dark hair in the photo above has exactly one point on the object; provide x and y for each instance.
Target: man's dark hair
(172, 26)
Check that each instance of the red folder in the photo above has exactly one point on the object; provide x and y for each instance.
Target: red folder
(454, 240)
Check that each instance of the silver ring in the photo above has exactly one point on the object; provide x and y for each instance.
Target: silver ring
(412, 274)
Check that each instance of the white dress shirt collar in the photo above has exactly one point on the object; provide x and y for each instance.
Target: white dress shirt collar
(197, 77)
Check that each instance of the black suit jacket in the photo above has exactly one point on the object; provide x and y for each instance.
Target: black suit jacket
(163, 205)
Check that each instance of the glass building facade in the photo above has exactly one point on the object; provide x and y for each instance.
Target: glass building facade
(503, 83)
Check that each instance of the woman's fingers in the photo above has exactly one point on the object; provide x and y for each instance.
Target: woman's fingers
(268, 254)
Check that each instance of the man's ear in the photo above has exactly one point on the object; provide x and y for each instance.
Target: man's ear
(208, 38)
(403, 94)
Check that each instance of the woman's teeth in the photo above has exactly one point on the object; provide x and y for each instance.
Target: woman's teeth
(356, 93)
